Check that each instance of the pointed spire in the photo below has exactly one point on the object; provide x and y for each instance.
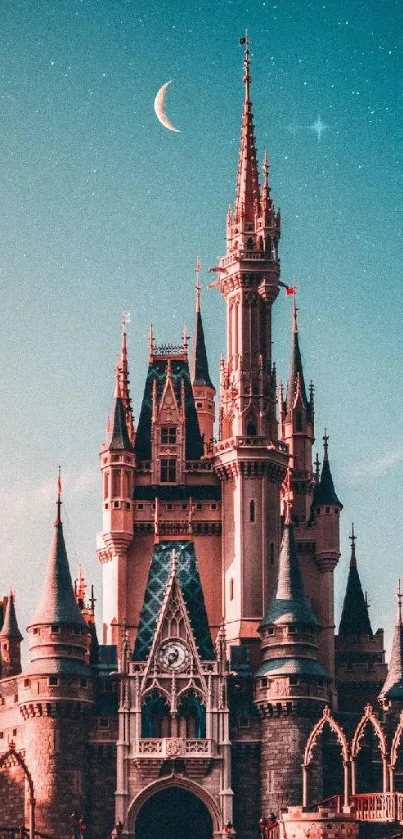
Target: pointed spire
(296, 371)
(58, 604)
(10, 628)
(393, 687)
(325, 492)
(124, 379)
(354, 617)
(247, 199)
(200, 371)
(289, 603)
(121, 432)
(353, 560)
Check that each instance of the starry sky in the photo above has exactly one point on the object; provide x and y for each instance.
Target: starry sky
(104, 210)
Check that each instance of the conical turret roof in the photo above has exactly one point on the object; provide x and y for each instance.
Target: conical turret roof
(201, 375)
(289, 603)
(296, 371)
(354, 616)
(324, 492)
(10, 626)
(393, 687)
(58, 604)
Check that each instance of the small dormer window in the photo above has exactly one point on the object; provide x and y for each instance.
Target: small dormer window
(168, 435)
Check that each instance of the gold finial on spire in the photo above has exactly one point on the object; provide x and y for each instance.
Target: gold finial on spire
(399, 597)
(59, 496)
(353, 561)
(244, 41)
(295, 310)
(197, 283)
(325, 444)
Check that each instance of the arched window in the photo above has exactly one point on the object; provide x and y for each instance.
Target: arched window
(249, 244)
(298, 421)
(252, 511)
(250, 429)
(192, 717)
(155, 717)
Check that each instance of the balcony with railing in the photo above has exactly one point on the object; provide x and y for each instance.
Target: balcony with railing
(173, 747)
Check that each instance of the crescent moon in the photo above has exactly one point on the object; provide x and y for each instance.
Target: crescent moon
(159, 108)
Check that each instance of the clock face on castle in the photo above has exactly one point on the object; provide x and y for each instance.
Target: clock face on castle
(173, 655)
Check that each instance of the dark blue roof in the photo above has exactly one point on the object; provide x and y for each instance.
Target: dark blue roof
(289, 604)
(177, 492)
(118, 437)
(354, 617)
(324, 492)
(187, 576)
(295, 371)
(201, 375)
(292, 667)
(180, 372)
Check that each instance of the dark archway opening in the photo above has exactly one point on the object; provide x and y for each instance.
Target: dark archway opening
(173, 813)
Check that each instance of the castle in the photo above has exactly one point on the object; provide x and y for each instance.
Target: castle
(219, 654)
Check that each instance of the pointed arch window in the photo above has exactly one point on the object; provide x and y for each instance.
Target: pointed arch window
(298, 421)
(192, 717)
(251, 429)
(155, 717)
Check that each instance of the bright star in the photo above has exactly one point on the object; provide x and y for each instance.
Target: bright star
(318, 127)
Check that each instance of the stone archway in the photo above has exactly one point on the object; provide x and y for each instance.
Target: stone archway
(368, 719)
(175, 808)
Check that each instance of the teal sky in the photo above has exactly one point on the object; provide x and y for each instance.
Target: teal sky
(103, 210)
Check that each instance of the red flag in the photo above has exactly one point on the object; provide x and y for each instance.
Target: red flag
(59, 484)
(218, 269)
(292, 289)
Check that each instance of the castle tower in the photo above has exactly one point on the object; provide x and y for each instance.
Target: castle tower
(325, 525)
(291, 687)
(203, 388)
(10, 642)
(360, 655)
(297, 429)
(117, 467)
(56, 697)
(248, 458)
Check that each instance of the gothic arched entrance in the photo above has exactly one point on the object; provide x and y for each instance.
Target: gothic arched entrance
(174, 813)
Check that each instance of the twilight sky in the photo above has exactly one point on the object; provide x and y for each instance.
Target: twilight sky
(103, 209)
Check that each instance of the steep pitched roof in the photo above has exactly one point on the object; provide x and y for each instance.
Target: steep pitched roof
(289, 603)
(324, 492)
(10, 626)
(118, 435)
(354, 616)
(247, 198)
(296, 370)
(189, 581)
(393, 687)
(157, 372)
(58, 604)
(200, 372)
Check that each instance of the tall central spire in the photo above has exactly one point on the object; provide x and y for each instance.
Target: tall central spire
(247, 199)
